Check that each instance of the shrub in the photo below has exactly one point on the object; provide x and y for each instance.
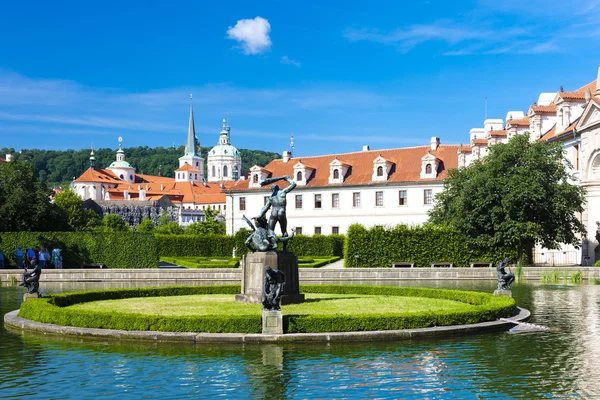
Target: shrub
(203, 262)
(55, 310)
(597, 263)
(115, 250)
(379, 247)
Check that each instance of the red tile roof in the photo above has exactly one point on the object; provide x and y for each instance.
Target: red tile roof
(98, 175)
(591, 86)
(479, 142)
(572, 95)
(551, 108)
(407, 166)
(187, 167)
(501, 133)
(518, 122)
(550, 134)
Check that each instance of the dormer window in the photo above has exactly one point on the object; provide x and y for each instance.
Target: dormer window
(381, 169)
(302, 173)
(429, 166)
(338, 171)
(336, 174)
(258, 174)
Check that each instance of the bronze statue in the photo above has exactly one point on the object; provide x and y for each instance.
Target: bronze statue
(262, 238)
(277, 202)
(273, 288)
(504, 279)
(31, 279)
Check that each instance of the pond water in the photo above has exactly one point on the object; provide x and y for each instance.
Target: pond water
(492, 365)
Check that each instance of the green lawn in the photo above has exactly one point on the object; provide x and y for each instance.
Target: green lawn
(316, 304)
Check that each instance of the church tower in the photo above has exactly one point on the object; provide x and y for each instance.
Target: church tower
(224, 160)
(191, 157)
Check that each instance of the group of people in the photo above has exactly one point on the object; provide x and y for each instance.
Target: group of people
(34, 256)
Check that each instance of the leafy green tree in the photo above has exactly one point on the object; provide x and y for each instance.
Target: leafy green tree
(25, 202)
(207, 227)
(164, 219)
(516, 196)
(114, 223)
(172, 228)
(78, 218)
(147, 225)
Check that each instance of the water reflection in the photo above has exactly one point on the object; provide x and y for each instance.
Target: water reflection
(494, 365)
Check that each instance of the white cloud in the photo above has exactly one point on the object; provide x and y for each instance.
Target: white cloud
(253, 34)
(289, 61)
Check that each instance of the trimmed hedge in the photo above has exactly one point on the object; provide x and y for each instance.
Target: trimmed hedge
(379, 247)
(222, 246)
(203, 262)
(55, 310)
(115, 250)
(317, 262)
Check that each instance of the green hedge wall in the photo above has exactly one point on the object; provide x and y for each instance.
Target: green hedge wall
(55, 310)
(115, 250)
(222, 246)
(380, 247)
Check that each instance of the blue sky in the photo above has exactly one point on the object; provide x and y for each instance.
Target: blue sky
(337, 75)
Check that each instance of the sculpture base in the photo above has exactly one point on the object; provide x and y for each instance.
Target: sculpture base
(253, 276)
(272, 322)
(499, 292)
(29, 296)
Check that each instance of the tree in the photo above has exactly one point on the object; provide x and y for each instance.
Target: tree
(172, 228)
(517, 196)
(78, 218)
(207, 227)
(114, 223)
(147, 225)
(25, 202)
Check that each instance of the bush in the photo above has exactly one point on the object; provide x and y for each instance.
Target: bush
(222, 246)
(55, 310)
(115, 250)
(379, 247)
(317, 262)
(203, 262)
(597, 263)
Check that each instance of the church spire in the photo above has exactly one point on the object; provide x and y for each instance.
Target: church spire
(190, 146)
(92, 159)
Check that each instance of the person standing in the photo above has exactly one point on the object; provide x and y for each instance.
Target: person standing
(30, 255)
(41, 258)
(19, 256)
(57, 258)
(47, 256)
(1, 259)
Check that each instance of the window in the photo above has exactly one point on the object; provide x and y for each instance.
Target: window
(242, 204)
(317, 201)
(379, 171)
(378, 199)
(195, 176)
(121, 176)
(336, 174)
(356, 199)
(254, 179)
(178, 176)
(298, 201)
(214, 173)
(428, 169)
(298, 230)
(335, 230)
(265, 199)
(335, 200)
(299, 176)
(196, 163)
(225, 172)
(317, 230)
(131, 178)
(402, 200)
(427, 196)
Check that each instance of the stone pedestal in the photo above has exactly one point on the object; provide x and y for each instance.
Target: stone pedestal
(253, 276)
(506, 293)
(29, 296)
(272, 323)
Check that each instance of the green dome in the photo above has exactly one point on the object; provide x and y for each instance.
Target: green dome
(120, 164)
(224, 150)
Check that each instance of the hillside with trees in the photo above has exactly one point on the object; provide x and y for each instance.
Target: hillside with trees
(59, 167)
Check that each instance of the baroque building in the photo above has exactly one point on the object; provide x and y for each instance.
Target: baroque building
(224, 160)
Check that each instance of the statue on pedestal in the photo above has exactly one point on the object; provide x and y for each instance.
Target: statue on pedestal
(262, 238)
(277, 202)
(273, 287)
(504, 279)
(31, 279)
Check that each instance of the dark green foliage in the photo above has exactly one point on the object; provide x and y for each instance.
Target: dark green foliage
(147, 225)
(78, 218)
(25, 202)
(58, 167)
(516, 196)
(55, 310)
(203, 262)
(379, 247)
(115, 250)
(114, 223)
(171, 228)
(316, 262)
(221, 245)
(209, 226)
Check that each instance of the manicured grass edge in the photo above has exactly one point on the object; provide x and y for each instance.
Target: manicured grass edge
(54, 310)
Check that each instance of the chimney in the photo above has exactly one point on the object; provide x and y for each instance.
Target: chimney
(8, 157)
(162, 187)
(435, 142)
(286, 156)
(142, 195)
(366, 147)
(126, 195)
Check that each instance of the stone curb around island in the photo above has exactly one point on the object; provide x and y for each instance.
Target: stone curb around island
(12, 320)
